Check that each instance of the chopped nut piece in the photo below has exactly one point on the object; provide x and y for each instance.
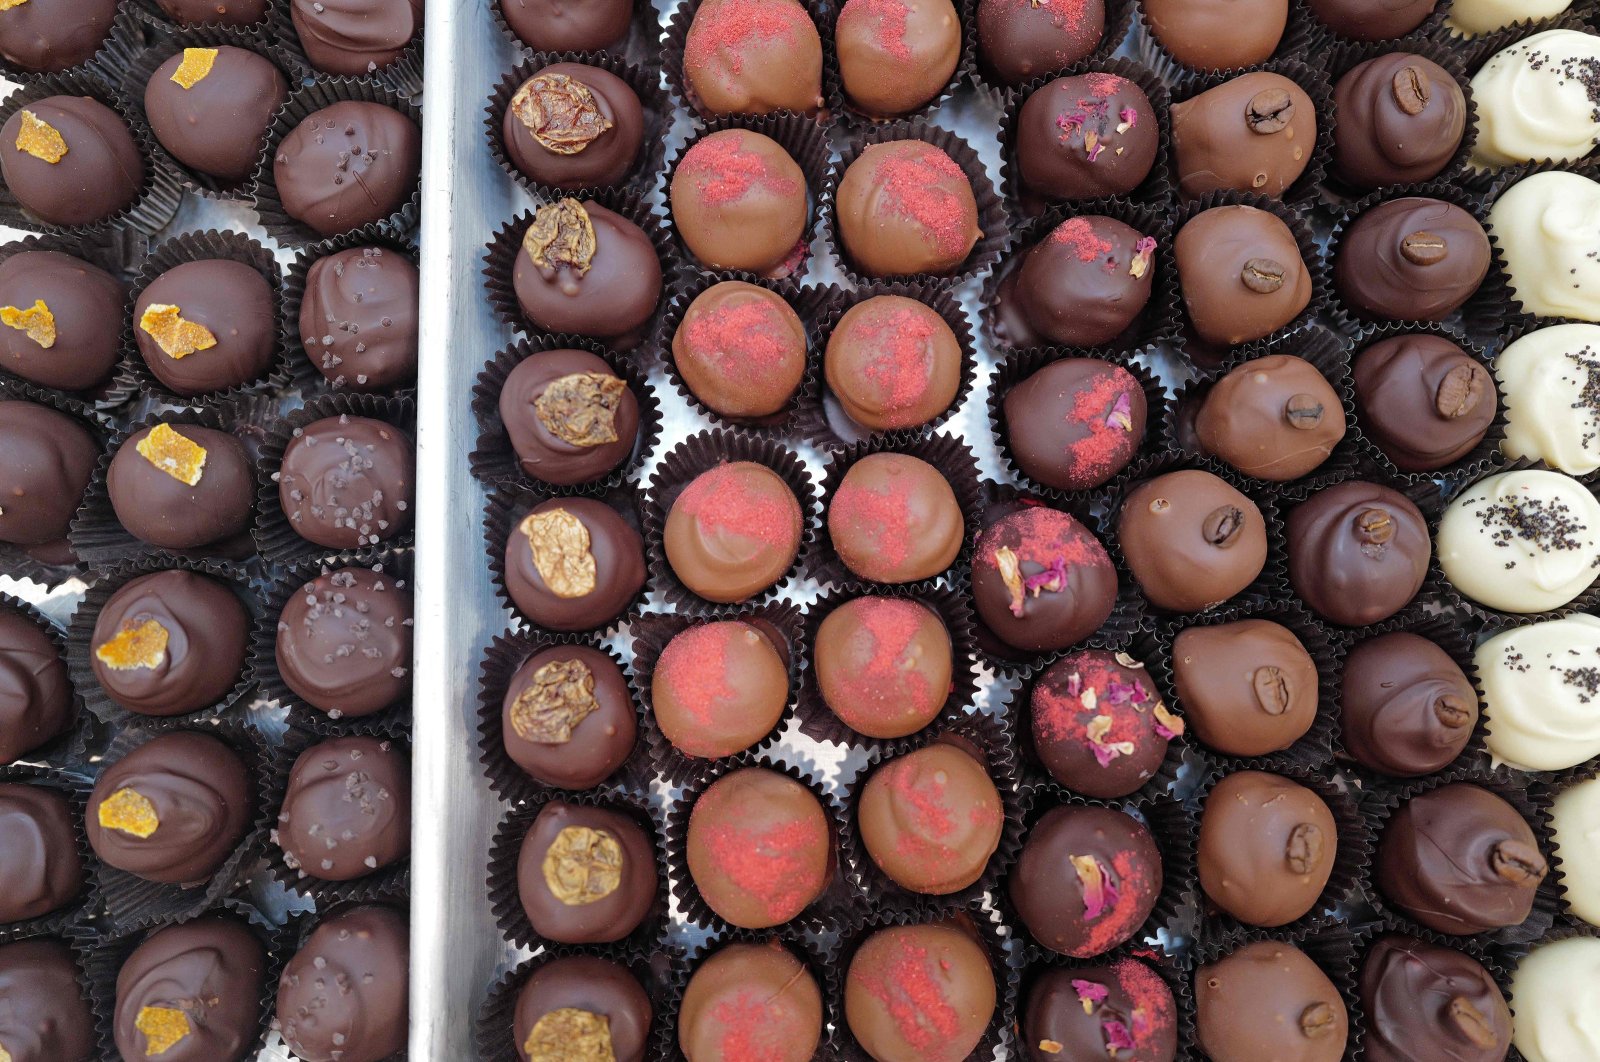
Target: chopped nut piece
(176, 337)
(173, 453)
(40, 139)
(163, 1027)
(195, 66)
(582, 866)
(581, 408)
(560, 697)
(568, 1034)
(129, 811)
(560, 545)
(140, 643)
(38, 322)
(560, 236)
(560, 112)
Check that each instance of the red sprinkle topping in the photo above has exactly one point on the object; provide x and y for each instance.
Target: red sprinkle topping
(695, 664)
(1152, 999)
(743, 499)
(890, 679)
(1104, 410)
(725, 26)
(724, 171)
(1131, 879)
(916, 178)
(1040, 536)
(752, 1027)
(1096, 707)
(889, 19)
(1103, 84)
(884, 515)
(774, 864)
(1079, 235)
(746, 340)
(905, 978)
(903, 338)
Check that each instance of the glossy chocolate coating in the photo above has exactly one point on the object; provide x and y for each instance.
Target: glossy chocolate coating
(35, 693)
(883, 665)
(741, 350)
(1411, 259)
(347, 808)
(1275, 418)
(43, 871)
(231, 301)
(198, 981)
(1407, 708)
(354, 38)
(203, 653)
(1425, 1000)
(1087, 879)
(1267, 848)
(1075, 423)
(895, 519)
(1255, 133)
(1241, 274)
(611, 299)
(47, 36)
(215, 12)
(570, 417)
(46, 459)
(577, 996)
(344, 642)
(896, 55)
(572, 125)
(1083, 137)
(86, 307)
(1269, 1000)
(1247, 688)
(216, 124)
(100, 173)
(46, 1017)
(733, 531)
(1460, 859)
(738, 201)
(348, 165)
(1084, 284)
(719, 688)
(1401, 120)
(596, 578)
(1192, 539)
(347, 482)
(1067, 586)
(753, 57)
(568, 718)
(1372, 20)
(904, 206)
(931, 819)
(1423, 400)
(358, 318)
(1020, 40)
(586, 875)
(1067, 706)
(342, 998)
(158, 507)
(568, 25)
(892, 362)
(751, 1000)
(1358, 552)
(1121, 1010)
(919, 993)
(1217, 34)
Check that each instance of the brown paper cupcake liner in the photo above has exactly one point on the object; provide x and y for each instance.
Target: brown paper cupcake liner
(1299, 37)
(403, 74)
(640, 45)
(1330, 945)
(1477, 50)
(675, 35)
(305, 372)
(69, 749)
(818, 956)
(52, 563)
(1035, 962)
(1120, 15)
(125, 30)
(74, 789)
(151, 13)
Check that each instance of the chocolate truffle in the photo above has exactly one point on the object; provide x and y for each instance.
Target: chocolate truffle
(1087, 879)
(583, 269)
(568, 25)
(570, 417)
(893, 362)
(1098, 723)
(1460, 859)
(35, 693)
(347, 809)
(65, 34)
(1423, 400)
(567, 717)
(1217, 34)
(350, 164)
(63, 317)
(1539, 705)
(169, 642)
(760, 848)
(347, 482)
(1574, 819)
(904, 206)
(1425, 1000)
(1543, 237)
(1406, 707)
(740, 349)
(1275, 418)
(342, 997)
(738, 201)
(1075, 423)
(585, 875)
(215, 12)
(1241, 274)
(1535, 99)
(1372, 20)
(919, 993)
(74, 163)
(1083, 137)
(1269, 1000)
(1084, 284)
(1252, 134)
(883, 665)
(1040, 580)
(1267, 848)
(172, 810)
(1472, 18)
(894, 519)
(210, 108)
(1358, 552)
(353, 38)
(1556, 992)
(573, 126)
(191, 993)
(931, 819)
(751, 1001)
(46, 459)
(1550, 388)
(733, 531)
(358, 318)
(896, 55)
(1191, 539)
(207, 326)
(1120, 1010)
(1019, 40)
(182, 486)
(573, 564)
(46, 1017)
(1401, 120)
(1248, 688)
(1411, 259)
(752, 57)
(44, 872)
(581, 1004)
(719, 688)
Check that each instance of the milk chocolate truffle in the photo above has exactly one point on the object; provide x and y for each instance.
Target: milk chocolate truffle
(1372, 20)
(1119, 1010)
(1358, 552)
(182, 486)
(1083, 137)
(343, 996)
(585, 875)
(358, 318)
(904, 206)
(347, 482)
(207, 326)
(1084, 284)
(1241, 274)
(46, 459)
(47, 1018)
(570, 417)
(583, 269)
(1538, 704)
(1269, 1000)
(931, 819)
(894, 519)
(169, 642)
(1098, 723)
(1535, 99)
(62, 316)
(1275, 418)
(1041, 581)
(1425, 1000)
(1087, 879)
(1075, 423)
(1542, 228)
(896, 55)
(1423, 400)
(892, 362)
(1407, 708)
(581, 1003)
(760, 848)
(1191, 539)
(45, 872)
(215, 12)
(1252, 134)
(347, 809)
(1411, 259)
(1217, 34)
(719, 688)
(1248, 688)
(35, 693)
(573, 564)
(1459, 859)
(1019, 40)
(751, 1000)
(210, 108)
(353, 38)
(1267, 847)
(1574, 821)
(733, 531)
(740, 349)
(738, 201)
(350, 164)
(567, 717)
(64, 34)
(919, 993)
(568, 25)
(1550, 387)
(883, 665)
(753, 57)
(572, 125)
(74, 163)
(1401, 120)
(191, 993)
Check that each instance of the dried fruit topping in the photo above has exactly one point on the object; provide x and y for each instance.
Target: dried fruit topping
(139, 644)
(568, 1034)
(173, 453)
(129, 811)
(196, 65)
(560, 112)
(560, 697)
(581, 408)
(176, 337)
(164, 1028)
(37, 321)
(582, 865)
(40, 139)
(1099, 891)
(561, 236)
(560, 545)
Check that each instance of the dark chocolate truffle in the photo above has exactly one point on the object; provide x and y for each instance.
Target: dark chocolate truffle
(1407, 708)
(1083, 137)
(738, 201)
(883, 665)
(1087, 879)
(1401, 120)
(1255, 133)
(1241, 274)
(1248, 688)
(733, 531)
(347, 809)
(580, 1005)
(43, 871)
(572, 125)
(215, 12)
(1020, 40)
(1269, 1000)
(191, 993)
(355, 37)
(719, 688)
(892, 362)
(344, 642)
(347, 482)
(1411, 259)
(46, 1016)
(1040, 580)
(1460, 859)
(210, 108)
(35, 693)
(573, 564)
(169, 642)
(1191, 539)
(1425, 1000)
(350, 164)
(567, 717)
(920, 993)
(1217, 34)
(65, 33)
(753, 57)
(1084, 284)
(931, 819)
(207, 326)
(585, 875)
(904, 206)
(1098, 723)
(760, 847)
(1358, 552)
(343, 998)
(751, 1001)
(1423, 400)
(358, 318)
(582, 269)
(570, 417)
(896, 55)
(171, 810)
(1372, 20)
(46, 459)
(740, 349)
(182, 486)
(894, 519)
(1267, 846)
(568, 25)
(63, 317)
(1122, 1010)
(70, 160)
(1275, 418)
(1075, 423)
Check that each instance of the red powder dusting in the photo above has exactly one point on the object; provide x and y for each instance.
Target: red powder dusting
(1039, 536)
(916, 181)
(751, 1027)
(921, 794)
(882, 516)
(1109, 441)
(889, 679)
(745, 340)
(889, 21)
(1102, 84)
(1151, 999)
(727, 25)
(723, 171)
(738, 499)
(695, 665)
(905, 979)
(1079, 235)
(773, 864)
(902, 366)
(1063, 713)
(1132, 880)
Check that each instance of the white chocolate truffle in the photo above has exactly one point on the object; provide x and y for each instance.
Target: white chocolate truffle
(1548, 227)
(1470, 18)
(1541, 693)
(1550, 385)
(1556, 996)
(1575, 818)
(1522, 542)
(1538, 100)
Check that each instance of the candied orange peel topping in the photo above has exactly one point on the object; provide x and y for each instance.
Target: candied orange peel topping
(40, 139)
(173, 453)
(40, 325)
(140, 643)
(7, 5)
(195, 66)
(130, 811)
(164, 1028)
(176, 337)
